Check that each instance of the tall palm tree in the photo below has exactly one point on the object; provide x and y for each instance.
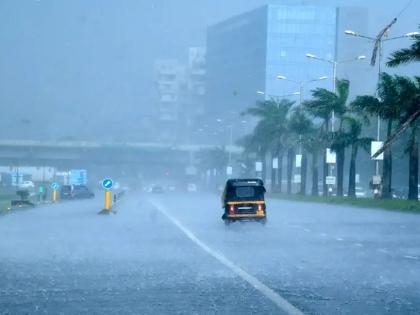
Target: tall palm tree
(389, 106)
(400, 57)
(338, 145)
(301, 126)
(271, 129)
(406, 55)
(352, 129)
(322, 105)
(411, 93)
(314, 142)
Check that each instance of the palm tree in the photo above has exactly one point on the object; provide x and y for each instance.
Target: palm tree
(338, 145)
(216, 158)
(270, 131)
(322, 105)
(392, 95)
(313, 143)
(399, 57)
(301, 126)
(352, 129)
(406, 55)
(411, 94)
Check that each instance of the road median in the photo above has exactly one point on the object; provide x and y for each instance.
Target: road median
(386, 204)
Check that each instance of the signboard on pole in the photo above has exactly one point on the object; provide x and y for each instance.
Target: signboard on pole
(298, 160)
(229, 170)
(375, 146)
(330, 180)
(297, 179)
(331, 157)
(54, 186)
(357, 178)
(191, 170)
(78, 177)
(107, 183)
(275, 163)
(376, 180)
(258, 166)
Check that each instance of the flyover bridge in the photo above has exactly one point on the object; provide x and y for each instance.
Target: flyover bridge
(69, 154)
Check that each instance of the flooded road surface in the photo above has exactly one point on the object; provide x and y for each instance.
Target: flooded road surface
(172, 254)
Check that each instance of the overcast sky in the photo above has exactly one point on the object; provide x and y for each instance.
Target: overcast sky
(74, 66)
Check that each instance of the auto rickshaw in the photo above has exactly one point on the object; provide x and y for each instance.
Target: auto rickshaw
(243, 199)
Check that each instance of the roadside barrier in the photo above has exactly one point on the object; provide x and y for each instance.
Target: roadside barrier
(108, 206)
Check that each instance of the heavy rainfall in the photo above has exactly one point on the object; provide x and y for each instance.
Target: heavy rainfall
(209, 157)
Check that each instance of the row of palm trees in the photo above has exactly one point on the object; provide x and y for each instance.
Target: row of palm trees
(283, 128)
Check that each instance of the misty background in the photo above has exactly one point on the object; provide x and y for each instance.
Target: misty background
(84, 69)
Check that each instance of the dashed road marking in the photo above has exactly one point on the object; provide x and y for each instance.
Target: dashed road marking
(278, 300)
(339, 239)
(411, 257)
(358, 244)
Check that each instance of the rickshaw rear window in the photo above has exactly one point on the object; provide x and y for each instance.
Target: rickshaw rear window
(245, 192)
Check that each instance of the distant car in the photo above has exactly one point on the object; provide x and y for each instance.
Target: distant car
(81, 192)
(157, 189)
(191, 187)
(171, 187)
(360, 192)
(65, 192)
(26, 184)
(399, 192)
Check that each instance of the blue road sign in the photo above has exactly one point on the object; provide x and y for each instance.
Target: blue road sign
(54, 186)
(107, 183)
(78, 177)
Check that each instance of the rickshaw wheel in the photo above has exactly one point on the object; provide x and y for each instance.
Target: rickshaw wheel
(227, 222)
(263, 221)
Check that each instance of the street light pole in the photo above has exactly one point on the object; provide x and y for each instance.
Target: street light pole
(301, 85)
(301, 91)
(231, 143)
(334, 64)
(278, 96)
(334, 90)
(380, 46)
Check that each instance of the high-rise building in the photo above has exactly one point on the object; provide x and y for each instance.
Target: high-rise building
(246, 53)
(168, 78)
(180, 95)
(194, 91)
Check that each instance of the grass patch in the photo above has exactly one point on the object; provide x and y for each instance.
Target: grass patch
(388, 204)
(4, 202)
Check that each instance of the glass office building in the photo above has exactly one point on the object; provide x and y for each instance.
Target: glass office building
(246, 53)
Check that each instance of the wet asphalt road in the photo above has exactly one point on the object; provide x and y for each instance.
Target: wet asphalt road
(65, 259)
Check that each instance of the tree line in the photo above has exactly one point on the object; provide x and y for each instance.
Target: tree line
(283, 129)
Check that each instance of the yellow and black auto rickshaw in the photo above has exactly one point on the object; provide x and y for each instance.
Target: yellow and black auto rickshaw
(243, 199)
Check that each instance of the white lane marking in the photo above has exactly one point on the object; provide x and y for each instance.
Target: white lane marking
(324, 235)
(358, 244)
(411, 257)
(339, 239)
(382, 250)
(281, 302)
(307, 230)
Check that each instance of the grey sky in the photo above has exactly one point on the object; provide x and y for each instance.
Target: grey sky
(64, 63)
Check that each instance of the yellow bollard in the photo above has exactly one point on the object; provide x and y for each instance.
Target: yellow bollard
(54, 195)
(107, 204)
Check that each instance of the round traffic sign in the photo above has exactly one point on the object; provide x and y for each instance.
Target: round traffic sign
(54, 186)
(107, 183)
